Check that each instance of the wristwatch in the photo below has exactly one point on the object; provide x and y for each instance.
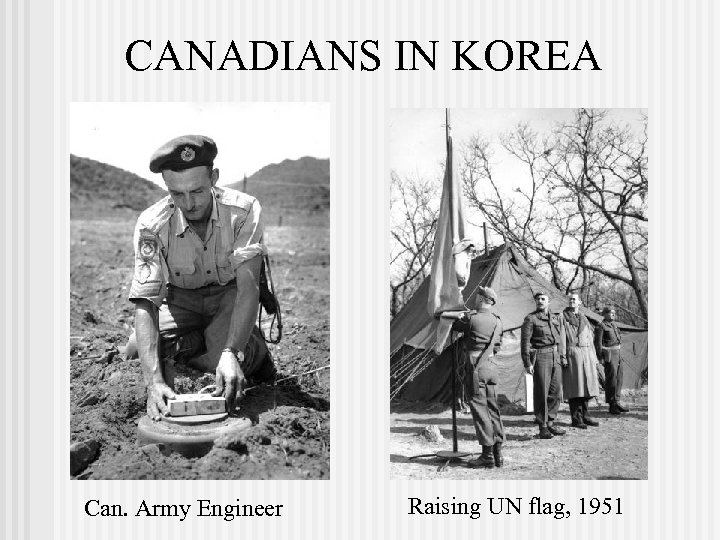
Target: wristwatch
(231, 350)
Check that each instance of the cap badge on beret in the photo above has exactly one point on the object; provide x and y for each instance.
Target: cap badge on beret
(188, 154)
(183, 153)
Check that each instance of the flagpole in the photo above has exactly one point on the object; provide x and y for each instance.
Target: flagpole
(454, 396)
(449, 164)
(453, 455)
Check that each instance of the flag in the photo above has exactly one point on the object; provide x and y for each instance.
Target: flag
(450, 264)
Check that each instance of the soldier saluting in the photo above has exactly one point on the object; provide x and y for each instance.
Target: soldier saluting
(542, 347)
(607, 346)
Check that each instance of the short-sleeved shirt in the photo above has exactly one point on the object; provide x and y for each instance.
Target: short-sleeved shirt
(168, 251)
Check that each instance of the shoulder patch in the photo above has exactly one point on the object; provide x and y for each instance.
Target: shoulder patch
(152, 219)
(147, 245)
(232, 197)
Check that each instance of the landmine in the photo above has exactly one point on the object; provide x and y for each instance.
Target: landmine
(193, 424)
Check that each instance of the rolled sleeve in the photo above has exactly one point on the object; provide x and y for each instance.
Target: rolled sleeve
(149, 281)
(248, 241)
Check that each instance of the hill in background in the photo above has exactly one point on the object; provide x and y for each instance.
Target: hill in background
(289, 189)
(98, 189)
(291, 186)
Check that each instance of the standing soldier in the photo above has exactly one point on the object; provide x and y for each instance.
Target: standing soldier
(607, 346)
(580, 377)
(542, 347)
(482, 339)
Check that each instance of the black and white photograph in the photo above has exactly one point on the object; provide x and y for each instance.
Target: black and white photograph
(518, 293)
(199, 291)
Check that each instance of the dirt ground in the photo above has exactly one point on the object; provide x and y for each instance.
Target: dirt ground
(617, 449)
(290, 438)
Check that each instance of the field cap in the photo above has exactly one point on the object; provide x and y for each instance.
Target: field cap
(540, 293)
(488, 293)
(183, 153)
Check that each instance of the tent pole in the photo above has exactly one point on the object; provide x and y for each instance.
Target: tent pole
(485, 236)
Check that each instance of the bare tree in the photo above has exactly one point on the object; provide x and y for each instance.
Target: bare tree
(412, 235)
(582, 212)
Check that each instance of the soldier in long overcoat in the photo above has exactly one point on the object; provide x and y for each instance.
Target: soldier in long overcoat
(580, 382)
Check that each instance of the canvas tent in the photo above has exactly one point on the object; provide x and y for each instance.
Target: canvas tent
(417, 374)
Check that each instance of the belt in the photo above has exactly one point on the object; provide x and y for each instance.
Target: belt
(547, 349)
(611, 348)
(204, 287)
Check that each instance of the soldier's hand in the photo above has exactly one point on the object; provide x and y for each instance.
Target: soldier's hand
(156, 405)
(563, 361)
(229, 378)
(529, 370)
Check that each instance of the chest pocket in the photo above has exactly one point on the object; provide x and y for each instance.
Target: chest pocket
(225, 269)
(181, 263)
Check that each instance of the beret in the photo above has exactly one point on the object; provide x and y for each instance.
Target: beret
(488, 293)
(540, 293)
(183, 153)
(607, 309)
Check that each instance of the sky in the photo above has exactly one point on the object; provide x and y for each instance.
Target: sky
(417, 136)
(417, 141)
(249, 135)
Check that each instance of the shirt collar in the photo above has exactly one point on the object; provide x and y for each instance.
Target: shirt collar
(181, 223)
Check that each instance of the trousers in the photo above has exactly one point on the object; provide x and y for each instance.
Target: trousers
(194, 325)
(613, 374)
(481, 390)
(547, 386)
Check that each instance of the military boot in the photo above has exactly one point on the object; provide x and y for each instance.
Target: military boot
(545, 433)
(497, 454)
(621, 407)
(589, 421)
(485, 461)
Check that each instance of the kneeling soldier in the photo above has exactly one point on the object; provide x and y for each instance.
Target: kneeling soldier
(198, 259)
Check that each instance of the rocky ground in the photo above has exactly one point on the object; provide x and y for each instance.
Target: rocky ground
(290, 437)
(617, 449)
